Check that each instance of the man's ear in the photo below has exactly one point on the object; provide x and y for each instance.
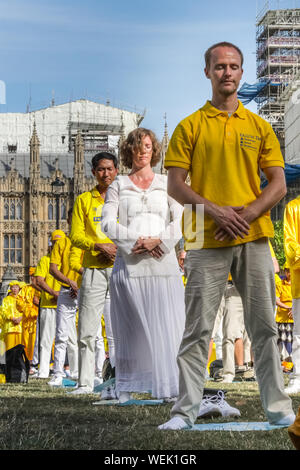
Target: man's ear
(206, 71)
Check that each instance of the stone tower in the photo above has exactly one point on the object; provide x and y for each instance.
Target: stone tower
(164, 146)
(79, 174)
(34, 184)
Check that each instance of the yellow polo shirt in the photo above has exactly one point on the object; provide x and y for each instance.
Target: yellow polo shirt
(284, 293)
(224, 156)
(75, 259)
(291, 231)
(86, 227)
(42, 270)
(60, 255)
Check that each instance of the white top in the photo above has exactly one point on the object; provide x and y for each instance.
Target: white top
(130, 212)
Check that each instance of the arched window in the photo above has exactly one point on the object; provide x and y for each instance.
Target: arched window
(6, 249)
(12, 210)
(13, 248)
(63, 210)
(19, 246)
(6, 211)
(12, 251)
(19, 212)
(50, 210)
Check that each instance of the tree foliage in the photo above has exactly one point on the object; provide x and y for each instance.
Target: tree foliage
(278, 242)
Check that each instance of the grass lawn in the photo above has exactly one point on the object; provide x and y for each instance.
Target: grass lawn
(34, 416)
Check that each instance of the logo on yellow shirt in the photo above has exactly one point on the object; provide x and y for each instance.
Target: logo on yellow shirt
(249, 141)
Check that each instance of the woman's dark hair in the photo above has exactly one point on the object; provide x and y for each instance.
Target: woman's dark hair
(104, 156)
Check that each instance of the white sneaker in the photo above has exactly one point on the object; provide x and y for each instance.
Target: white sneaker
(293, 386)
(97, 381)
(56, 381)
(174, 424)
(170, 400)
(81, 391)
(286, 421)
(216, 405)
(124, 396)
(108, 393)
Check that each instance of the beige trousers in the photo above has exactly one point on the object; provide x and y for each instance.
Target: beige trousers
(93, 291)
(252, 271)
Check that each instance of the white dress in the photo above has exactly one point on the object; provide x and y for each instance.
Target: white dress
(147, 295)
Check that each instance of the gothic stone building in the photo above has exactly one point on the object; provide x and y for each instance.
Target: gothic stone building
(45, 163)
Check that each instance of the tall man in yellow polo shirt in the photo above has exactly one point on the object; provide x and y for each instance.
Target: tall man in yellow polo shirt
(50, 289)
(292, 252)
(67, 305)
(224, 146)
(99, 255)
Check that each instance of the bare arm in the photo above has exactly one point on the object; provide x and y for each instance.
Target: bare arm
(269, 197)
(44, 286)
(59, 276)
(226, 217)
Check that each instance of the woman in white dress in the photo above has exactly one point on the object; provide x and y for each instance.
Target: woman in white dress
(147, 292)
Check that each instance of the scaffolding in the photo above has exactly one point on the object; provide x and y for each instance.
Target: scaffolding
(278, 61)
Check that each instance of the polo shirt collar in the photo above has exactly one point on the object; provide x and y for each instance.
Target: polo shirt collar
(95, 193)
(211, 111)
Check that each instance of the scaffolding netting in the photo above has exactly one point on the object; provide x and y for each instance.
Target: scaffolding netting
(249, 92)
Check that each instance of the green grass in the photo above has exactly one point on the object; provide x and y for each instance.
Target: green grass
(35, 416)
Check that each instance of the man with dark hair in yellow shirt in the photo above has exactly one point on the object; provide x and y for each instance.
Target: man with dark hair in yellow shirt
(99, 255)
(224, 146)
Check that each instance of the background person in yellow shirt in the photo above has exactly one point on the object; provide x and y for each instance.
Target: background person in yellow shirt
(47, 317)
(11, 317)
(66, 333)
(99, 255)
(28, 304)
(291, 230)
(224, 146)
(284, 316)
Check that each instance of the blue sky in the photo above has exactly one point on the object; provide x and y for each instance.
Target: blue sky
(136, 53)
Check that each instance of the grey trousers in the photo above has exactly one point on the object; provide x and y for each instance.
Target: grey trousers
(93, 291)
(251, 267)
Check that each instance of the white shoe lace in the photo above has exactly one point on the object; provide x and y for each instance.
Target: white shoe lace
(217, 399)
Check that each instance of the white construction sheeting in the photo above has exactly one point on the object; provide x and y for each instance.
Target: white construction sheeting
(292, 125)
(53, 125)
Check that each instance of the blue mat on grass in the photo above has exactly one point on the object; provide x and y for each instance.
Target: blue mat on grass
(235, 426)
(104, 385)
(68, 383)
(130, 402)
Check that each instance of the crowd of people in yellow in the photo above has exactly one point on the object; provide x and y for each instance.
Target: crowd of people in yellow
(113, 251)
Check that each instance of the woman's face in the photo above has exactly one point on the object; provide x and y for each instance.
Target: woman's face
(143, 156)
(15, 289)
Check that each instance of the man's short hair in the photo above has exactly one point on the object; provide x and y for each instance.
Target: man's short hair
(207, 55)
(104, 156)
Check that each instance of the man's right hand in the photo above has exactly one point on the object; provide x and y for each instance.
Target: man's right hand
(55, 294)
(230, 223)
(107, 250)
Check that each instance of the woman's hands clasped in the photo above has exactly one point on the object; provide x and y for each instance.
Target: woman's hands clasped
(148, 245)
